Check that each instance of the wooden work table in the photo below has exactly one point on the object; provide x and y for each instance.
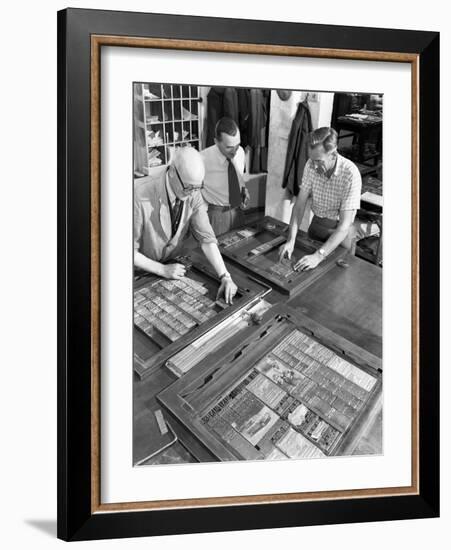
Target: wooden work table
(363, 128)
(346, 300)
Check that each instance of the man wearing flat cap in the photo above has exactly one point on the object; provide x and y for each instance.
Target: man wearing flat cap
(164, 211)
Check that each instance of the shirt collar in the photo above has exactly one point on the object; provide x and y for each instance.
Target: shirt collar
(222, 158)
(336, 168)
(337, 165)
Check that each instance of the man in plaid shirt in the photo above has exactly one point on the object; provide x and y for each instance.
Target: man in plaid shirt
(334, 184)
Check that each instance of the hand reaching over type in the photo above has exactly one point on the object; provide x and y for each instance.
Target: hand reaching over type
(228, 289)
(286, 250)
(173, 271)
(245, 197)
(308, 262)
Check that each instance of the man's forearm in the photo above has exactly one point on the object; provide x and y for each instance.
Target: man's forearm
(213, 255)
(296, 219)
(335, 239)
(145, 263)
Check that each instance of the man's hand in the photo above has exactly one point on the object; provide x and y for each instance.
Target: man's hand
(286, 250)
(308, 262)
(173, 271)
(228, 288)
(245, 197)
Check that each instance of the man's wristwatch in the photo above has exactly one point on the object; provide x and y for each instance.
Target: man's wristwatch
(322, 253)
(225, 275)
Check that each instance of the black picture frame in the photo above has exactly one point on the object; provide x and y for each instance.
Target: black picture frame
(78, 517)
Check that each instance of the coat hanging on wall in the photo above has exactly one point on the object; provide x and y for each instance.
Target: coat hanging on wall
(258, 130)
(220, 102)
(297, 151)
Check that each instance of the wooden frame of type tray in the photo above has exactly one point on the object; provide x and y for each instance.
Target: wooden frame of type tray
(154, 344)
(256, 401)
(255, 248)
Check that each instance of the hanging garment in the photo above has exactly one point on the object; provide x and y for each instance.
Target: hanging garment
(257, 119)
(230, 104)
(257, 129)
(297, 151)
(244, 110)
(220, 102)
(215, 110)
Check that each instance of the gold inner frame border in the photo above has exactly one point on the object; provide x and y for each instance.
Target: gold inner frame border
(97, 41)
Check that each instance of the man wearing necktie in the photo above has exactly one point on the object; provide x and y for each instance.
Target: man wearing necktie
(224, 189)
(164, 210)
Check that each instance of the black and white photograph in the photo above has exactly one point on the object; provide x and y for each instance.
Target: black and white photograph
(222, 253)
(257, 273)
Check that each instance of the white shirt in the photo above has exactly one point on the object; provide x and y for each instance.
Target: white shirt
(216, 183)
